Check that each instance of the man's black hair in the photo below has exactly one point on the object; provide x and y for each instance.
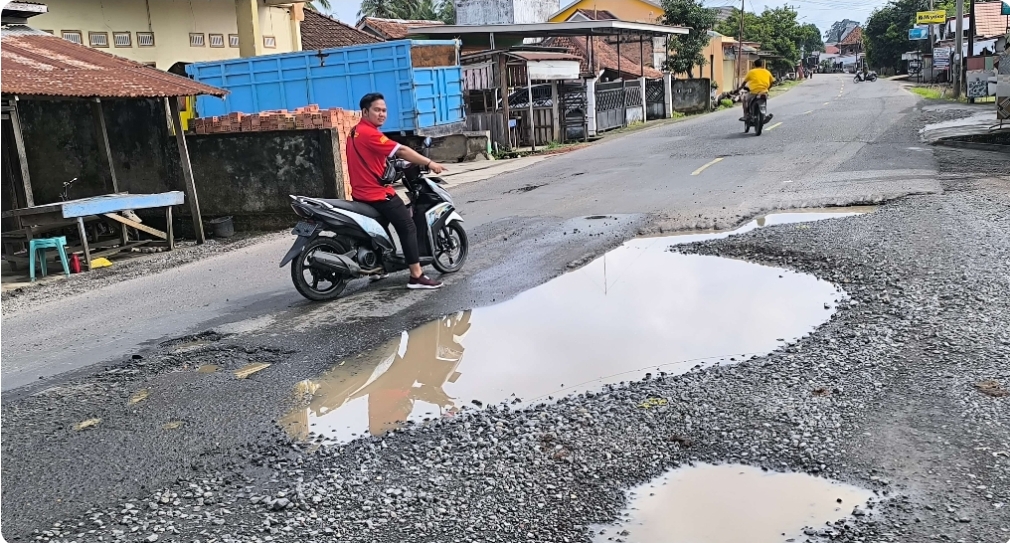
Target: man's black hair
(757, 64)
(369, 99)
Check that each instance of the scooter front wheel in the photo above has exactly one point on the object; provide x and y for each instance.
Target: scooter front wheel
(316, 284)
(451, 248)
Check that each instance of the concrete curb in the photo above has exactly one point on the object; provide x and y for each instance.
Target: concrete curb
(995, 147)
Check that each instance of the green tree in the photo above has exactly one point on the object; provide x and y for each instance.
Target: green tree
(778, 31)
(885, 36)
(424, 10)
(685, 49)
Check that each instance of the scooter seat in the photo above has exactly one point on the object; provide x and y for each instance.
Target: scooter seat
(360, 208)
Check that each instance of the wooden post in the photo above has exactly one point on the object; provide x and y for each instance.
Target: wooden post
(529, 93)
(504, 84)
(172, 104)
(169, 230)
(83, 232)
(103, 140)
(19, 142)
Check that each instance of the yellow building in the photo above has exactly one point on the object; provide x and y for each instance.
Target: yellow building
(720, 57)
(162, 33)
(636, 11)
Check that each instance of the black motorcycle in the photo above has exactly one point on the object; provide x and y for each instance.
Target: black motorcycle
(757, 114)
(340, 240)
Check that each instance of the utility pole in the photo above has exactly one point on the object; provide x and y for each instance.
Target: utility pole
(971, 47)
(958, 47)
(739, 53)
(932, 48)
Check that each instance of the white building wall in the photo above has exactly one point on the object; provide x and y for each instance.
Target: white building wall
(485, 12)
(171, 21)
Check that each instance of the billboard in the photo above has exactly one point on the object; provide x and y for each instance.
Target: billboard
(918, 33)
(931, 17)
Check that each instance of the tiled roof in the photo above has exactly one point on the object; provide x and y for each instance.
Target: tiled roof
(604, 57)
(854, 37)
(393, 29)
(989, 23)
(831, 49)
(322, 32)
(36, 63)
(595, 15)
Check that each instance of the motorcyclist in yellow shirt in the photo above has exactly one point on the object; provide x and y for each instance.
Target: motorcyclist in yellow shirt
(758, 81)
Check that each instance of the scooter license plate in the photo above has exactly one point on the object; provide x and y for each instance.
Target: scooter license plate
(305, 228)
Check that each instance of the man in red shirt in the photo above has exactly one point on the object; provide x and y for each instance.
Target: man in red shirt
(367, 151)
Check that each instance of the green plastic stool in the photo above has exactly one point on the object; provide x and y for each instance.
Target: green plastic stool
(41, 245)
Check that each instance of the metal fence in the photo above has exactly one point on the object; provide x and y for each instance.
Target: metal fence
(610, 109)
(655, 99)
(573, 102)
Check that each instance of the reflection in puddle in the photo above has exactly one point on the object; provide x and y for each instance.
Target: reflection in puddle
(731, 504)
(637, 309)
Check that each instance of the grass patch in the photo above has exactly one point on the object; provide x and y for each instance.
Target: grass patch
(928, 92)
(784, 86)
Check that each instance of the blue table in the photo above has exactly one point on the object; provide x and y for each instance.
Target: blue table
(36, 219)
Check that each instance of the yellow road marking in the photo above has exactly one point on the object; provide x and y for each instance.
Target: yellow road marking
(701, 169)
(827, 103)
(139, 396)
(808, 112)
(774, 126)
(83, 425)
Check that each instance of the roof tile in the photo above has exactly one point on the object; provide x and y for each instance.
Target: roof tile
(322, 32)
(394, 29)
(36, 63)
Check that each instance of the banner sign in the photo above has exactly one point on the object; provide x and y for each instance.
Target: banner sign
(930, 17)
(918, 33)
(941, 58)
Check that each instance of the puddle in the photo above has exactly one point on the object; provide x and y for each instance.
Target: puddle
(731, 504)
(638, 309)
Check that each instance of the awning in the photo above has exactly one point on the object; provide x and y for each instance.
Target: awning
(550, 30)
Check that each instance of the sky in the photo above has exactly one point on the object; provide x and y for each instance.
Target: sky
(820, 12)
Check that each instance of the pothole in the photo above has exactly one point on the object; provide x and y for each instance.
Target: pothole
(639, 309)
(733, 503)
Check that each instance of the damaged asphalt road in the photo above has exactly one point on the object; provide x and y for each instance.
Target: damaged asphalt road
(898, 393)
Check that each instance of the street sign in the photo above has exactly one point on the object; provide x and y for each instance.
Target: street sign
(930, 17)
(918, 33)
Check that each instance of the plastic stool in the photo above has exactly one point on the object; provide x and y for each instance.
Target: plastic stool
(41, 245)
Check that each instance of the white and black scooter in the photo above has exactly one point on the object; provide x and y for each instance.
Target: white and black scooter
(340, 240)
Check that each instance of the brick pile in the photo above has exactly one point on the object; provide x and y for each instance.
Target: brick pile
(304, 118)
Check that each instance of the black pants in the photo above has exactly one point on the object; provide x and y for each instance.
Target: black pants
(396, 212)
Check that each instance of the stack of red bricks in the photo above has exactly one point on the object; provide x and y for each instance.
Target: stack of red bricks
(304, 118)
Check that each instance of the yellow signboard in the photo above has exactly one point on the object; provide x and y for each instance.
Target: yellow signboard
(930, 17)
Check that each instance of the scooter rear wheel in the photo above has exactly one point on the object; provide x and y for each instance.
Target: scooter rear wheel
(316, 284)
(451, 248)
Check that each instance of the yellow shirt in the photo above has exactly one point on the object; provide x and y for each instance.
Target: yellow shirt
(759, 80)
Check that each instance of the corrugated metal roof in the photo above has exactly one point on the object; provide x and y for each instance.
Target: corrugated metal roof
(538, 55)
(36, 63)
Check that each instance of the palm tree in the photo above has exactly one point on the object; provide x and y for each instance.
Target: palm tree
(320, 5)
(385, 9)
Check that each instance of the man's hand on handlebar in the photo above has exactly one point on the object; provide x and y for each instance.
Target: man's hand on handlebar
(412, 156)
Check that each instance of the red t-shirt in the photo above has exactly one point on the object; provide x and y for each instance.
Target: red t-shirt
(367, 151)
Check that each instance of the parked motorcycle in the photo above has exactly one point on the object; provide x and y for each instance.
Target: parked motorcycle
(871, 77)
(757, 114)
(340, 240)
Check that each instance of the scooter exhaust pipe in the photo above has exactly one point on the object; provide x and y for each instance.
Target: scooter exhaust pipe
(334, 262)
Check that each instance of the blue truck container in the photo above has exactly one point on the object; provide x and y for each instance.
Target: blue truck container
(421, 80)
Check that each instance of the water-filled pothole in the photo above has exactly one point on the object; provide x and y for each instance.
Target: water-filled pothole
(638, 309)
(732, 504)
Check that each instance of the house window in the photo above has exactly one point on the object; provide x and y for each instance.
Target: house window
(98, 39)
(216, 40)
(122, 39)
(145, 39)
(196, 40)
(48, 31)
(270, 42)
(74, 36)
(232, 40)
(151, 64)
